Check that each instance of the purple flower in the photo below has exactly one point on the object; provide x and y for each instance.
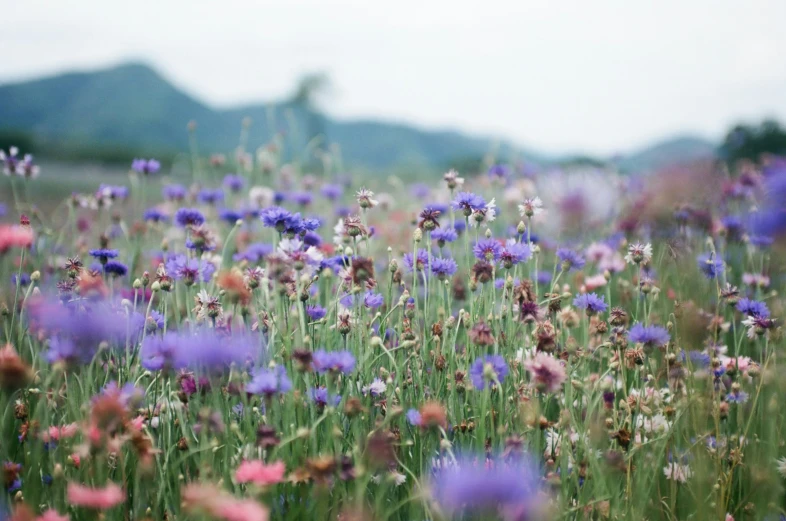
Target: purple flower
(499, 171)
(737, 397)
(487, 250)
(189, 217)
(373, 300)
(189, 270)
(650, 336)
(570, 259)
(506, 490)
(443, 267)
(230, 216)
(145, 166)
(174, 192)
(104, 254)
(710, 265)
(209, 196)
(468, 202)
(444, 235)
(334, 361)
(419, 263)
(515, 253)
(199, 350)
(155, 215)
(115, 268)
(312, 239)
(753, 308)
(413, 417)
(279, 218)
(485, 369)
(591, 302)
(270, 382)
(112, 192)
(332, 192)
(254, 252)
(234, 182)
(320, 396)
(770, 220)
(302, 198)
(315, 312)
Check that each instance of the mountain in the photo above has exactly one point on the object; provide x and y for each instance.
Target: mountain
(132, 106)
(682, 149)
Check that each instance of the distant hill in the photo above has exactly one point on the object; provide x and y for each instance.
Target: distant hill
(683, 149)
(134, 107)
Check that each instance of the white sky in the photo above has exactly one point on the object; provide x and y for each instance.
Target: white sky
(598, 76)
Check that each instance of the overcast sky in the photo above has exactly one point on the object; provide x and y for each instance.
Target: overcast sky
(598, 76)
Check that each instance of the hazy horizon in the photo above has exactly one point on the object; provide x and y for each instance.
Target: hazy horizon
(596, 79)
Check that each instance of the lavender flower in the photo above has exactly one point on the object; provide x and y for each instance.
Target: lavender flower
(334, 361)
(174, 192)
(155, 215)
(332, 192)
(591, 303)
(270, 382)
(488, 369)
(710, 265)
(753, 308)
(414, 418)
(570, 259)
(418, 263)
(515, 253)
(487, 250)
(315, 312)
(373, 300)
(444, 235)
(321, 397)
(234, 182)
(189, 217)
(649, 336)
(145, 166)
(209, 196)
(443, 267)
(189, 270)
(468, 202)
(279, 218)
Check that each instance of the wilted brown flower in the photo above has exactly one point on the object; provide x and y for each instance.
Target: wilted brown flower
(481, 334)
(14, 372)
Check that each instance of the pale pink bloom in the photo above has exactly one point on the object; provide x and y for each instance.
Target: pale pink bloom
(231, 509)
(52, 515)
(77, 459)
(15, 237)
(729, 517)
(95, 498)
(598, 251)
(755, 279)
(138, 422)
(613, 263)
(595, 282)
(677, 472)
(257, 472)
(741, 363)
(547, 372)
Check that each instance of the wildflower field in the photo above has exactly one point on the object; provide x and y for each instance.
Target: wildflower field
(256, 340)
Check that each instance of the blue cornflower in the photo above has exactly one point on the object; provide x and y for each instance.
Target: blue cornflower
(189, 270)
(373, 300)
(331, 191)
(737, 397)
(254, 252)
(145, 166)
(302, 198)
(753, 308)
(234, 182)
(320, 396)
(734, 227)
(115, 268)
(189, 217)
(230, 216)
(487, 250)
(486, 369)
(278, 218)
(174, 192)
(334, 361)
(459, 227)
(443, 267)
(24, 279)
(104, 254)
(270, 382)
(591, 303)
(208, 196)
(444, 235)
(468, 202)
(649, 336)
(570, 259)
(312, 239)
(113, 192)
(414, 418)
(761, 241)
(697, 358)
(418, 263)
(543, 277)
(311, 224)
(770, 219)
(515, 253)
(316, 312)
(499, 171)
(155, 215)
(710, 265)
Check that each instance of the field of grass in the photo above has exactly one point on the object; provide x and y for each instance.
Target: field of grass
(243, 340)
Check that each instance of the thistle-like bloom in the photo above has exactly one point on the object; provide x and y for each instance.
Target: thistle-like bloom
(639, 253)
(650, 336)
(489, 369)
(334, 361)
(487, 250)
(270, 382)
(531, 207)
(570, 259)
(189, 217)
(429, 219)
(145, 166)
(753, 308)
(484, 216)
(366, 198)
(453, 180)
(443, 267)
(758, 326)
(591, 303)
(547, 372)
(710, 265)
(375, 388)
(467, 202)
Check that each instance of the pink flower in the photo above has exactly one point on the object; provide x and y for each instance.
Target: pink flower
(257, 472)
(231, 509)
(547, 372)
(138, 422)
(57, 433)
(52, 515)
(595, 282)
(15, 237)
(95, 498)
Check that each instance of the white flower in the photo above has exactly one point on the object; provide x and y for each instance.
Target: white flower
(485, 216)
(366, 199)
(782, 467)
(530, 207)
(639, 253)
(376, 388)
(657, 424)
(677, 472)
(288, 246)
(260, 196)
